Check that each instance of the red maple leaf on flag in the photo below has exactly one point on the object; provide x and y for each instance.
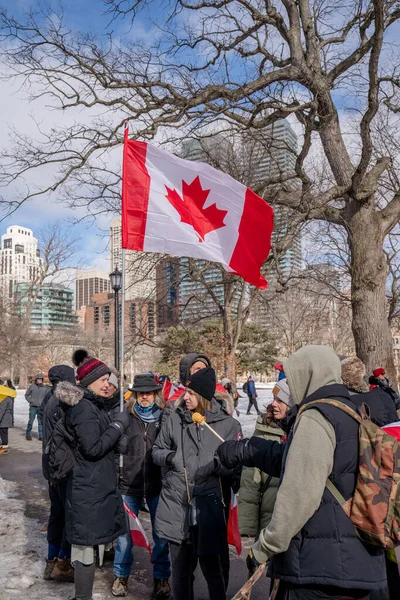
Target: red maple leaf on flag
(191, 208)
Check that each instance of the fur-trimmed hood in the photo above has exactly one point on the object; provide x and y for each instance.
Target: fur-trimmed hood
(353, 373)
(68, 394)
(227, 398)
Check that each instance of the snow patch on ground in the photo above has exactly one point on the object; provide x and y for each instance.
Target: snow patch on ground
(19, 565)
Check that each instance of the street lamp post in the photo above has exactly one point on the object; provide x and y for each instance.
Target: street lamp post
(116, 284)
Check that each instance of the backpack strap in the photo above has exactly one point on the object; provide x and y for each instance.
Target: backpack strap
(360, 418)
(364, 409)
(335, 492)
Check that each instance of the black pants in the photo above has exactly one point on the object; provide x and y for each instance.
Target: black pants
(184, 563)
(252, 401)
(56, 525)
(290, 591)
(4, 436)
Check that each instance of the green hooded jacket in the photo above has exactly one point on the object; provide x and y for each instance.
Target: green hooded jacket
(257, 490)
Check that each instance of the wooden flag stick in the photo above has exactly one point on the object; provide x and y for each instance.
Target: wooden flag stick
(244, 592)
(201, 420)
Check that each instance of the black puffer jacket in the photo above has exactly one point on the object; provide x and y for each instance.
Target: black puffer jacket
(94, 509)
(385, 386)
(140, 476)
(194, 448)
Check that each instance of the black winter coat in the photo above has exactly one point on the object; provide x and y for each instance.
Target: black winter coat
(194, 448)
(94, 513)
(140, 476)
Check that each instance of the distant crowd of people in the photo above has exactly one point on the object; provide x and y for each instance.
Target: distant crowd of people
(293, 476)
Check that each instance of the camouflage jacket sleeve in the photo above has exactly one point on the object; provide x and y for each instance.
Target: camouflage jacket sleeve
(308, 464)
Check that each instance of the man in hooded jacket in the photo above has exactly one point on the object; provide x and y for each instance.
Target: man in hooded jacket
(311, 543)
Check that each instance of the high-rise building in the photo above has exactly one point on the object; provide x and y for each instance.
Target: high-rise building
(20, 258)
(52, 307)
(140, 267)
(187, 295)
(89, 283)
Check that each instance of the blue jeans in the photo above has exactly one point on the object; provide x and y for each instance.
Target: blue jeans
(123, 560)
(34, 412)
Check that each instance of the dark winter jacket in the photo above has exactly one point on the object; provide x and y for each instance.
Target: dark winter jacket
(383, 410)
(327, 550)
(7, 412)
(257, 489)
(94, 512)
(375, 382)
(194, 448)
(187, 362)
(51, 410)
(140, 476)
(35, 394)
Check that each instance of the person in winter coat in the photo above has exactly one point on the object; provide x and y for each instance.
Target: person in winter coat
(58, 563)
(383, 410)
(190, 512)
(94, 512)
(250, 390)
(257, 489)
(6, 418)
(379, 380)
(312, 545)
(35, 395)
(141, 479)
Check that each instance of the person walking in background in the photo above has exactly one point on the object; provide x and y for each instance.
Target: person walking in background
(249, 388)
(35, 395)
(141, 479)
(190, 512)
(58, 563)
(6, 417)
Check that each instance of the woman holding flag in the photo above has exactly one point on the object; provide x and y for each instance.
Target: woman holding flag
(141, 479)
(191, 512)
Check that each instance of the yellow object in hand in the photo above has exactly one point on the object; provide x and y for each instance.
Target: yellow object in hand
(198, 418)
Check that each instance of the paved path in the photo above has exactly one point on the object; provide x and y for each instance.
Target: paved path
(26, 561)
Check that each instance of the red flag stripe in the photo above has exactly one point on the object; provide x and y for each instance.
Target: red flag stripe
(135, 194)
(255, 229)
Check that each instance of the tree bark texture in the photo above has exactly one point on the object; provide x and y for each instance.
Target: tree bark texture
(371, 330)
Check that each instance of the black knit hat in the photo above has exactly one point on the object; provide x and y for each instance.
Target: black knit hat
(203, 382)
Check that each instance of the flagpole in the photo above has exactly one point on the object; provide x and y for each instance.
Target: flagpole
(122, 346)
(122, 336)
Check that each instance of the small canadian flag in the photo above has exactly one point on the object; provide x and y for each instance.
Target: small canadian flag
(171, 392)
(185, 208)
(138, 534)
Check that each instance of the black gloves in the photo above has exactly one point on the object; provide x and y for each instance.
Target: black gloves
(231, 453)
(122, 421)
(251, 563)
(169, 461)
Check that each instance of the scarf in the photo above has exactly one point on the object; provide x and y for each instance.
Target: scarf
(151, 414)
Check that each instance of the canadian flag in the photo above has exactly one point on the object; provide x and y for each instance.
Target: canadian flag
(171, 392)
(185, 208)
(234, 538)
(138, 534)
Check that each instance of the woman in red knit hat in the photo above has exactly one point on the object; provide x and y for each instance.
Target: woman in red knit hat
(94, 513)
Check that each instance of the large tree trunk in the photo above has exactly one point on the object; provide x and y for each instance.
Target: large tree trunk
(372, 335)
